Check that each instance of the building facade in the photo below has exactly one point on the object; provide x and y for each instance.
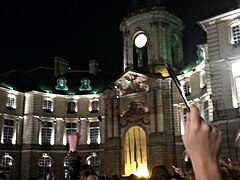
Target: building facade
(136, 122)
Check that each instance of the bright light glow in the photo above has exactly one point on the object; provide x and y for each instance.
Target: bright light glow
(65, 138)
(236, 89)
(140, 40)
(136, 152)
(202, 79)
(235, 69)
(182, 128)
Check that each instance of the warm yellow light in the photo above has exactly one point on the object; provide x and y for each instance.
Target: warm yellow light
(162, 70)
(142, 171)
(136, 152)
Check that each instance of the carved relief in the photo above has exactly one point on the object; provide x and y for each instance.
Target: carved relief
(137, 112)
(132, 82)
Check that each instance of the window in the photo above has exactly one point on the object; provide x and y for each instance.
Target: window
(11, 102)
(61, 84)
(94, 106)
(72, 108)
(85, 85)
(236, 84)
(44, 165)
(47, 105)
(8, 131)
(70, 127)
(46, 133)
(7, 164)
(235, 35)
(203, 79)
(205, 111)
(186, 88)
(94, 133)
(65, 167)
(183, 119)
(93, 160)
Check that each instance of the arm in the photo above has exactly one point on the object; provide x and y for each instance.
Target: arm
(74, 161)
(202, 143)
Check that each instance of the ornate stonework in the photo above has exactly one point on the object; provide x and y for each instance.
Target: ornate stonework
(132, 82)
(137, 112)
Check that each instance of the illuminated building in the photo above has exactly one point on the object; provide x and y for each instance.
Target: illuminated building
(134, 122)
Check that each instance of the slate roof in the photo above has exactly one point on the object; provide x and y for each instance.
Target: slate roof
(42, 79)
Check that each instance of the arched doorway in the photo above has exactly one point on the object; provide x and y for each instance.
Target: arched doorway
(135, 154)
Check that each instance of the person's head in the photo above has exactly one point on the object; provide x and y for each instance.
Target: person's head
(161, 171)
(50, 176)
(176, 176)
(88, 174)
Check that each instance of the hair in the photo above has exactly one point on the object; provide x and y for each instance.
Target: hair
(160, 172)
(87, 172)
(229, 171)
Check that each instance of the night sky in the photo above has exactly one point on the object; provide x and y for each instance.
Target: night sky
(33, 33)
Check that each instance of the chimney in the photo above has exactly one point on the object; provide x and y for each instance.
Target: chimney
(61, 66)
(93, 67)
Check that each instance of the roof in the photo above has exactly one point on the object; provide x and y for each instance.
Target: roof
(42, 79)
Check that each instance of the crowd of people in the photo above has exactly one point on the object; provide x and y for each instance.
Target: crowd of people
(202, 142)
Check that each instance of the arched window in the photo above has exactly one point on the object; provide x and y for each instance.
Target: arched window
(7, 165)
(45, 163)
(93, 160)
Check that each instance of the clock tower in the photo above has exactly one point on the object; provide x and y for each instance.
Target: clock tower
(152, 35)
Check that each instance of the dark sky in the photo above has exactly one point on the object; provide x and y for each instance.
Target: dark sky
(33, 33)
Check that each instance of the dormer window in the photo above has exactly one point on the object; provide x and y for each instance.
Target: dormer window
(85, 85)
(61, 84)
(235, 35)
(11, 102)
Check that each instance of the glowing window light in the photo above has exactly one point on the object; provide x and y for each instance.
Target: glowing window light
(236, 89)
(203, 80)
(135, 152)
(6, 161)
(11, 101)
(183, 119)
(93, 105)
(235, 30)
(235, 69)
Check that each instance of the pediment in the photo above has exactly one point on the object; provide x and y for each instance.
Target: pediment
(132, 82)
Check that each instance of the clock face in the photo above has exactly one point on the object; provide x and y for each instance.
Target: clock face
(140, 40)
